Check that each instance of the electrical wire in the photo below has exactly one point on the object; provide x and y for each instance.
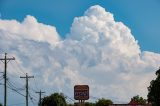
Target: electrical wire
(33, 95)
(12, 85)
(68, 97)
(20, 67)
(16, 67)
(13, 76)
(32, 99)
(32, 89)
(16, 91)
(35, 83)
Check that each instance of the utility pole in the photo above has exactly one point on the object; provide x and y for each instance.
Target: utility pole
(1, 83)
(40, 99)
(26, 77)
(5, 60)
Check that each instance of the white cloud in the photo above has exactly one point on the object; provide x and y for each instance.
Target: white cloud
(98, 51)
(30, 29)
(98, 26)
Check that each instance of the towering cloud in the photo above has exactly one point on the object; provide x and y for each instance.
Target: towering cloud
(98, 51)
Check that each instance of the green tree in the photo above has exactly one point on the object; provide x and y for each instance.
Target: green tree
(85, 104)
(55, 99)
(1, 104)
(104, 102)
(70, 104)
(154, 90)
(139, 100)
(89, 104)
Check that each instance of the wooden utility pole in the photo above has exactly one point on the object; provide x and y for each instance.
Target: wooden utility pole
(40, 99)
(26, 77)
(5, 60)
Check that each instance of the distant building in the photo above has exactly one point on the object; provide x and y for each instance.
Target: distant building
(132, 103)
(129, 105)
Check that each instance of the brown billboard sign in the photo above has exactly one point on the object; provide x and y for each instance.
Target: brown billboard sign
(81, 92)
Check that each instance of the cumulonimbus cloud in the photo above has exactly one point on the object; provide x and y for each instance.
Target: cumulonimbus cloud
(98, 51)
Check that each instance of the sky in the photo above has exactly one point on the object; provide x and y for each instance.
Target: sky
(106, 44)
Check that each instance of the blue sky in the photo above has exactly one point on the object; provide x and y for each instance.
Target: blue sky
(141, 16)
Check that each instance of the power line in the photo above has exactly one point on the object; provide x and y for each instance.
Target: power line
(16, 69)
(35, 98)
(68, 97)
(33, 92)
(16, 80)
(26, 77)
(35, 83)
(5, 60)
(12, 85)
(40, 99)
(32, 99)
(16, 91)
(20, 68)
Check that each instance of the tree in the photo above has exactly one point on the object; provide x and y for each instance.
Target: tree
(1, 104)
(55, 99)
(154, 90)
(85, 104)
(70, 104)
(89, 104)
(104, 102)
(137, 100)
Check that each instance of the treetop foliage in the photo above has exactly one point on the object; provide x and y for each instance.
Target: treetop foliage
(104, 102)
(55, 99)
(138, 100)
(154, 90)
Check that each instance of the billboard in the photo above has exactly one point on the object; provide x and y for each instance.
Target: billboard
(81, 92)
